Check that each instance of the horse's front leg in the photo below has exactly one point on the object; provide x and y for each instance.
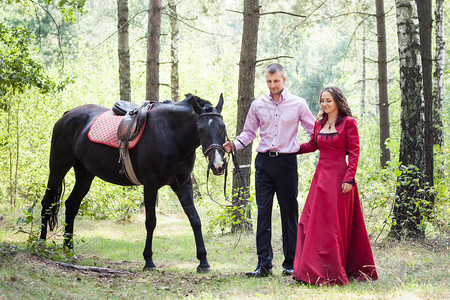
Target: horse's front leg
(150, 193)
(185, 194)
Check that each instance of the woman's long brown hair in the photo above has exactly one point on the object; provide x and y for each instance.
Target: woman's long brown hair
(339, 98)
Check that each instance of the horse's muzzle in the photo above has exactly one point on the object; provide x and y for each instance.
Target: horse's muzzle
(218, 165)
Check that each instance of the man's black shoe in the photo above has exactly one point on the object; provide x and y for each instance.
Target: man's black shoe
(287, 272)
(260, 272)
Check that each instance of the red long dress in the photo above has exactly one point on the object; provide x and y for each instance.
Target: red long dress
(332, 240)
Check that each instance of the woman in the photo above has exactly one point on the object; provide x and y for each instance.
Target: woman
(332, 240)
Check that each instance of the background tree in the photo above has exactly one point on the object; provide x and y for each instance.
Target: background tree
(174, 48)
(363, 79)
(424, 13)
(246, 94)
(438, 85)
(408, 205)
(124, 51)
(153, 47)
(382, 84)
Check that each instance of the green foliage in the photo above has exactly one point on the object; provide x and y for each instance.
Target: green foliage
(26, 224)
(18, 70)
(108, 201)
(325, 50)
(69, 7)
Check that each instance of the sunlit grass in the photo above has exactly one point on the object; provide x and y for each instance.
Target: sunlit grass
(406, 270)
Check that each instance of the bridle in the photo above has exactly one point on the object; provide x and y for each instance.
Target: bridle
(212, 146)
(237, 169)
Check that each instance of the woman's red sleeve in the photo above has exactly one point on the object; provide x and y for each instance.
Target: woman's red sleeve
(310, 146)
(351, 130)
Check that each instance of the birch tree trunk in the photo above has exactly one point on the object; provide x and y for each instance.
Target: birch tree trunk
(438, 90)
(246, 93)
(407, 214)
(153, 47)
(124, 51)
(383, 84)
(174, 47)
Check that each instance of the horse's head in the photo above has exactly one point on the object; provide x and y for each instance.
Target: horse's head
(211, 132)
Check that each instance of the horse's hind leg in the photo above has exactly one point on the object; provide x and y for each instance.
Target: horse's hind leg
(59, 166)
(83, 181)
(150, 193)
(185, 194)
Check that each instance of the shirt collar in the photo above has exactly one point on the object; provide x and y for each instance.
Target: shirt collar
(283, 96)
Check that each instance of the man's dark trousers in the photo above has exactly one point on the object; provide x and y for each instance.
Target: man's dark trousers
(276, 175)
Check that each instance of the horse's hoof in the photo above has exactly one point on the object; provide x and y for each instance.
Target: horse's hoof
(149, 268)
(203, 269)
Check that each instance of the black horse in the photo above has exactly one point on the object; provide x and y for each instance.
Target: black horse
(165, 155)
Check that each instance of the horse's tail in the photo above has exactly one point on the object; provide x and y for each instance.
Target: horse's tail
(53, 201)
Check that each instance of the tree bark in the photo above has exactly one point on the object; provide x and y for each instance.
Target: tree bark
(382, 84)
(153, 47)
(124, 51)
(246, 93)
(407, 214)
(174, 47)
(424, 13)
(363, 87)
(438, 91)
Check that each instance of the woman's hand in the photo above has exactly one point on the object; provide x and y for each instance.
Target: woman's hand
(346, 187)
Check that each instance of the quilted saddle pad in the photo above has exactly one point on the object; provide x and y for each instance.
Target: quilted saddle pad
(104, 130)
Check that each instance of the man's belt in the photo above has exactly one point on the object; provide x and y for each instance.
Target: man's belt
(275, 153)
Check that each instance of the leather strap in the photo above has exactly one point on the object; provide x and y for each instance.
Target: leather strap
(128, 170)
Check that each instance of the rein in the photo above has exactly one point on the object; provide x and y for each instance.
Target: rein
(237, 170)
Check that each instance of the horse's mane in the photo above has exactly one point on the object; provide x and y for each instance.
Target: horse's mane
(203, 103)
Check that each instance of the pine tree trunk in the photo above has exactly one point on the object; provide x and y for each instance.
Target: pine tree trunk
(407, 215)
(124, 51)
(382, 84)
(438, 91)
(246, 93)
(153, 47)
(174, 46)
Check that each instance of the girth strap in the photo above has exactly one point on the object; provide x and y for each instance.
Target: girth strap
(127, 167)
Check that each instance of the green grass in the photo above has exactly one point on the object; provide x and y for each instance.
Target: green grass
(406, 271)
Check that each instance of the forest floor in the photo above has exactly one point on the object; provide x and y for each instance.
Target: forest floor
(109, 263)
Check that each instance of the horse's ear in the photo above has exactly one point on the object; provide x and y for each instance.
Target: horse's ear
(191, 99)
(220, 104)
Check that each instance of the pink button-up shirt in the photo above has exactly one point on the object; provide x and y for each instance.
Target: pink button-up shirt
(278, 123)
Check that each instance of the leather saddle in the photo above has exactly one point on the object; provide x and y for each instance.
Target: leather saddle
(134, 118)
(130, 126)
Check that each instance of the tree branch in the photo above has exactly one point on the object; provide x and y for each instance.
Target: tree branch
(138, 13)
(58, 35)
(234, 11)
(282, 12)
(203, 31)
(93, 269)
(272, 58)
(306, 18)
(376, 61)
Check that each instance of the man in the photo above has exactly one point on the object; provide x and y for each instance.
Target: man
(277, 116)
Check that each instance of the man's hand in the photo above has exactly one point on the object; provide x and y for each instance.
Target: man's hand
(228, 146)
